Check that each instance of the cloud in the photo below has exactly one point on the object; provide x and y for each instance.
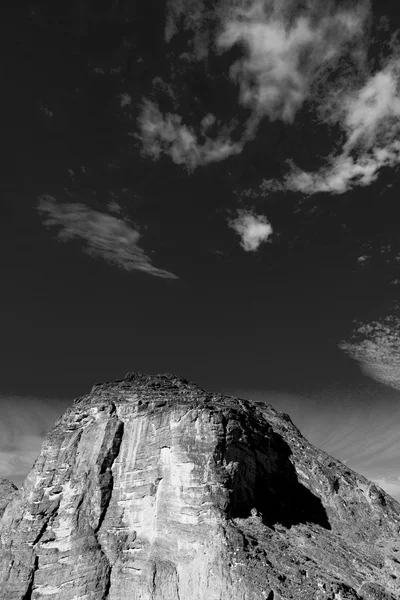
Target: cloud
(105, 235)
(167, 134)
(287, 50)
(376, 347)
(195, 17)
(253, 229)
(342, 172)
(370, 118)
(293, 52)
(125, 99)
(288, 46)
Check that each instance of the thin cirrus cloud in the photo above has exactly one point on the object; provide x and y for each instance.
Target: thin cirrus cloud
(253, 229)
(376, 348)
(106, 236)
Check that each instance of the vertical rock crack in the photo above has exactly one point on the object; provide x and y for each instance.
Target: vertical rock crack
(106, 484)
(28, 593)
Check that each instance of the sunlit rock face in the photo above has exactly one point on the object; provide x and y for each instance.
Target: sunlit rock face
(150, 488)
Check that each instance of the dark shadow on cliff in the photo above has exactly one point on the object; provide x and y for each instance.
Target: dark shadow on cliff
(266, 480)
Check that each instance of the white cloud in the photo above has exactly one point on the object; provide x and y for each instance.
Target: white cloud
(292, 53)
(370, 118)
(253, 229)
(114, 207)
(105, 235)
(288, 46)
(376, 348)
(166, 134)
(125, 100)
(341, 173)
(286, 53)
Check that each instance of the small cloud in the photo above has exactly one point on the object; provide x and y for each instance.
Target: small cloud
(207, 122)
(162, 86)
(375, 345)
(253, 229)
(113, 206)
(71, 173)
(104, 235)
(46, 111)
(166, 134)
(125, 100)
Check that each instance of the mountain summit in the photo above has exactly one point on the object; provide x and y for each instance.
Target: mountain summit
(150, 488)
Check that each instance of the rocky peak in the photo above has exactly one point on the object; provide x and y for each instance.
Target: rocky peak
(150, 488)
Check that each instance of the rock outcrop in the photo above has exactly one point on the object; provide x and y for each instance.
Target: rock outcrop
(150, 488)
(7, 492)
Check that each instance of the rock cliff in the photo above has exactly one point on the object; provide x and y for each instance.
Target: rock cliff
(7, 492)
(150, 488)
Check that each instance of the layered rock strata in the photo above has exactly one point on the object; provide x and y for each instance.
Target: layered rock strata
(150, 488)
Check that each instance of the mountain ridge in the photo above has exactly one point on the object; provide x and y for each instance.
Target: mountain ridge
(151, 488)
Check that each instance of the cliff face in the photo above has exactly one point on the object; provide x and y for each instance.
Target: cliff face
(150, 488)
(7, 492)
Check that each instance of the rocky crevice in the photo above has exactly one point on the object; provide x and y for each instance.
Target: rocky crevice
(105, 464)
(29, 591)
(106, 485)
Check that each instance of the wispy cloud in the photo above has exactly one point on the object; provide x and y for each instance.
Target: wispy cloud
(253, 229)
(194, 16)
(292, 53)
(375, 345)
(287, 50)
(104, 235)
(166, 134)
(370, 118)
(125, 99)
(287, 47)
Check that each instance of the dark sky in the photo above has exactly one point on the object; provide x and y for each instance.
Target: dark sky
(145, 142)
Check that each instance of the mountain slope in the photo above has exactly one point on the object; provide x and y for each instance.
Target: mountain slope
(150, 488)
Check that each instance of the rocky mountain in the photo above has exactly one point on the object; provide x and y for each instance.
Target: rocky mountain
(150, 488)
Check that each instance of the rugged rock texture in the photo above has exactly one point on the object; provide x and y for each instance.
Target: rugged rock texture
(150, 488)
(7, 492)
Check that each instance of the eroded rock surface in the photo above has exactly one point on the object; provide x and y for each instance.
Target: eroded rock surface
(7, 492)
(150, 488)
